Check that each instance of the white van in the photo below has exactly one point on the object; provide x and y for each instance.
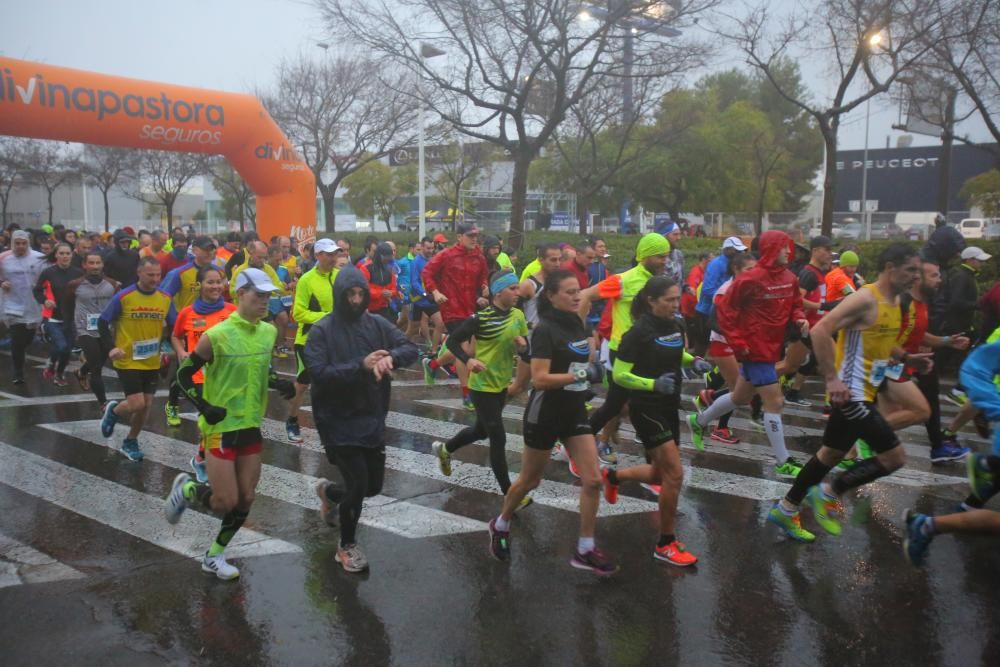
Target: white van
(916, 225)
(972, 228)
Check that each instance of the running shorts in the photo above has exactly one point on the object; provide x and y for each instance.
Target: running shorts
(858, 420)
(231, 444)
(302, 373)
(136, 381)
(719, 349)
(450, 327)
(759, 373)
(419, 311)
(549, 417)
(654, 426)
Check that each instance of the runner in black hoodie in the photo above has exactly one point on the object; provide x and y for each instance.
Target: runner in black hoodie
(350, 355)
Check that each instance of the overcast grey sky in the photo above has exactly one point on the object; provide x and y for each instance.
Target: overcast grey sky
(232, 45)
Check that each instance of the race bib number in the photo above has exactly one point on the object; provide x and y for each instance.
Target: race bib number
(92, 321)
(286, 301)
(579, 385)
(894, 371)
(144, 349)
(878, 373)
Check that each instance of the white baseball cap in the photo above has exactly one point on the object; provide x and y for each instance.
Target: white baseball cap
(734, 242)
(972, 252)
(326, 245)
(256, 280)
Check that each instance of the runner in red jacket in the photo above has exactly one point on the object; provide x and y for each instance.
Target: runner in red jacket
(758, 308)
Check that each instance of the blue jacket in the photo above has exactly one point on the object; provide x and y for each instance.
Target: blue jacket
(417, 293)
(716, 273)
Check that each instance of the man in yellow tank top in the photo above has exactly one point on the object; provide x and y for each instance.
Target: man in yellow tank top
(866, 354)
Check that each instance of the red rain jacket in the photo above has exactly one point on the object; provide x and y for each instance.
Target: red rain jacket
(460, 275)
(761, 303)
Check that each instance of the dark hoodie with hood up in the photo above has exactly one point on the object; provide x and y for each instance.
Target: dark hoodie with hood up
(349, 405)
(761, 303)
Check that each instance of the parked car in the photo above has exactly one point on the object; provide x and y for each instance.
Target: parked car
(973, 228)
(887, 230)
(851, 231)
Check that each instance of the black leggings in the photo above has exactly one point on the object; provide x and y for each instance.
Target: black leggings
(930, 388)
(21, 336)
(94, 355)
(363, 470)
(489, 423)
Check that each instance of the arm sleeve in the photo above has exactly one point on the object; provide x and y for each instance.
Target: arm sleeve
(172, 283)
(180, 323)
(416, 285)
(113, 310)
(686, 359)
(977, 376)
(185, 379)
(300, 306)
(429, 274)
(39, 289)
(610, 287)
(541, 342)
(465, 331)
(798, 312)
(808, 280)
(626, 378)
(402, 350)
(322, 368)
(728, 313)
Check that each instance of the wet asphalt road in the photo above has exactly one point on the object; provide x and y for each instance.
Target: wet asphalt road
(91, 574)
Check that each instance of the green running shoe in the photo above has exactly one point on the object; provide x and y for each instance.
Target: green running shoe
(425, 363)
(824, 510)
(173, 419)
(790, 469)
(443, 457)
(791, 525)
(981, 482)
(697, 433)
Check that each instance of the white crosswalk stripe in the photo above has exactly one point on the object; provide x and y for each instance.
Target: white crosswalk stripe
(123, 508)
(21, 564)
(396, 516)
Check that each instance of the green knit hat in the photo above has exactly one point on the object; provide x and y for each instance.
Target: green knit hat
(849, 258)
(652, 244)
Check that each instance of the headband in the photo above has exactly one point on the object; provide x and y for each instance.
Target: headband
(502, 282)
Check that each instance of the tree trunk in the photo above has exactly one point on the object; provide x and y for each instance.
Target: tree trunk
(519, 195)
(583, 217)
(50, 191)
(328, 193)
(829, 182)
(107, 211)
(3, 205)
(170, 216)
(388, 227)
(947, 139)
(759, 224)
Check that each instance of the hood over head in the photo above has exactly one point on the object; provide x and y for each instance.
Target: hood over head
(380, 268)
(490, 242)
(771, 243)
(347, 278)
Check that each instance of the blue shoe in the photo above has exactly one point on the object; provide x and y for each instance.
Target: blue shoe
(109, 419)
(130, 448)
(292, 430)
(915, 541)
(946, 453)
(200, 471)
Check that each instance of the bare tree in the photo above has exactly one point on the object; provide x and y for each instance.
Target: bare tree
(341, 113)
(868, 43)
(514, 68)
(163, 176)
(12, 167)
(238, 198)
(104, 167)
(48, 164)
(460, 165)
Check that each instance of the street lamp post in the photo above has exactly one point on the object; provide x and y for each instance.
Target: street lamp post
(426, 51)
(873, 41)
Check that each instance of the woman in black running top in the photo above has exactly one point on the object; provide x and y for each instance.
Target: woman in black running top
(561, 373)
(54, 292)
(649, 362)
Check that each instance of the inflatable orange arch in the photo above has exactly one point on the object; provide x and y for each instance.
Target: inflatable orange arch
(46, 102)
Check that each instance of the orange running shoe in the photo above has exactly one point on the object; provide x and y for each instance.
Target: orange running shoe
(675, 553)
(652, 488)
(610, 490)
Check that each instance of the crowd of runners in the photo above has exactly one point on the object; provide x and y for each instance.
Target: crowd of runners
(206, 317)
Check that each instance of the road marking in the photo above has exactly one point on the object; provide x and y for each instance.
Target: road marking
(743, 450)
(395, 516)
(123, 508)
(58, 399)
(21, 564)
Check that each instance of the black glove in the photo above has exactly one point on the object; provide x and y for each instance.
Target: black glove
(213, 414)
(286, 388)
(665, 384)
(595, 372)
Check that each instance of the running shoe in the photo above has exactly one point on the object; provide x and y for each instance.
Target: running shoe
(704, 399)
(559, 453)
(352, 558)
(292, 430)
(981, 480)
(606, 453)
(785, 382)
(109, 419)
(428, 371)
(450, 370)
(595, 561)
(83, 379)
(173, 417)
(982, 425)
(327, 508)
(790, 469)
(757, 420)
(131, 450)
(218, 566)
(957, 396)
(279, 354)
(847, 464)
(49, 373)
(724, 435)
(697, 433)
(610, 490)
(915, 541)
(794, 397)
(573, 470)
(791, 525)
(825, 510)
(675, 553)
(60, 380)
(468, 404)
(175, 503)
(527, 501)
(946, 453)
(652, 488)
(443, 457)
(864, 449)
(200, 471)
(499, 541)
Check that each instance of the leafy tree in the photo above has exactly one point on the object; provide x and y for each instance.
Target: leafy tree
(377, 190)
(983, 191)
